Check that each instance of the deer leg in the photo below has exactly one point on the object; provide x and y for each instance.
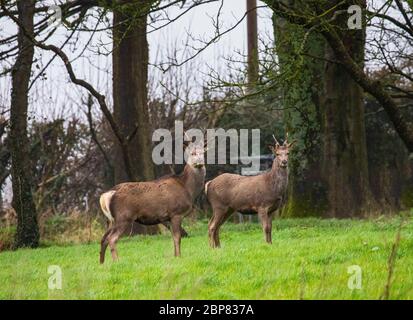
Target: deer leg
(220, 223)
(266, 221)
(108, 225)
(176, 234)
(114, 237)
(219, 217)
(184, 233)
(212, 227)
(104, 244)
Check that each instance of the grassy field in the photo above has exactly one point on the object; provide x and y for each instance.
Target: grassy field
(309, 259)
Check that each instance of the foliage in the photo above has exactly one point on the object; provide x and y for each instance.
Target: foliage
(407, 197)
(301, 81)
(300, 78)
(57, 229)
(74, 229)
(390, 167)
(7, 237)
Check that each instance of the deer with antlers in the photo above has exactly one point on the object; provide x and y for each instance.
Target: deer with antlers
(262, 194)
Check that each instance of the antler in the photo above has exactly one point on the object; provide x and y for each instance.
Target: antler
(286, 139)
(275, 140)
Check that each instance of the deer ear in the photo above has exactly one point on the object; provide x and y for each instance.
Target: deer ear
(271, 147)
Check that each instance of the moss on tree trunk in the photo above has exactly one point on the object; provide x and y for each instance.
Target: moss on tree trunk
(302, 81)
(324, 112)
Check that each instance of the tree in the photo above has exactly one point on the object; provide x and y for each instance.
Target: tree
(130, 77)
(325, 113)
(252, 41)
(130, 93)
(27, 234)
(322, 16)
(4, 157)
(345, 165)
(301, 81)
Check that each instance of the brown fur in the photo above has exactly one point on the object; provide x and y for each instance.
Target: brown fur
(166, 200)
(262, 194)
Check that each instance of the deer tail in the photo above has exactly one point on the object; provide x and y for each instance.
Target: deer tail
(206, 188)
(104, 201)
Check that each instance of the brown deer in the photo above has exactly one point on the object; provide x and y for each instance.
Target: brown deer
(262, 194)
(166, 200)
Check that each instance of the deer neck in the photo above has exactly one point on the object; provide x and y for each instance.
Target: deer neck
(278, 176)
(193, 180)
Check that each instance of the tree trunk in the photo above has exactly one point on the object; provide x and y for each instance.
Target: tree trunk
(325, 114)
(27, 228)
(252, 42)
(130, 77)
(390, 169)
(302, 82)
(345, 166)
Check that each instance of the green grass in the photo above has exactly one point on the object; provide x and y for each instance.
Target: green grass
(308, 259)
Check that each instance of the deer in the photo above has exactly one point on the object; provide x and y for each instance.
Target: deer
(166, 200)
(262, 194)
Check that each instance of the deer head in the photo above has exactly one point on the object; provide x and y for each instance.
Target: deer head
(194, 153)
(281, 152)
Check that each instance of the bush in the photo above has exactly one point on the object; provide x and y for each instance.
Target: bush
(7, 237)
(77, 227)
(73, 228)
